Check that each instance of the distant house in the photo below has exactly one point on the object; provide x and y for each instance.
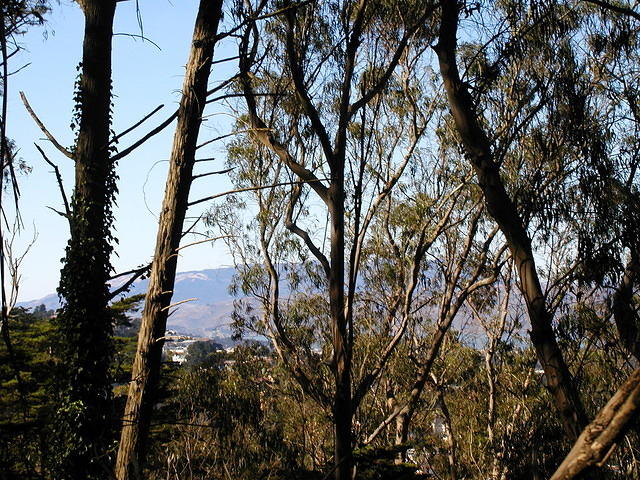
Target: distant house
(176, 345)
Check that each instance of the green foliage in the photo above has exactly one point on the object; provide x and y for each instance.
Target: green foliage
(202, 354)
(382, 464)
(122, 309)
(225, 420)
(25, 405)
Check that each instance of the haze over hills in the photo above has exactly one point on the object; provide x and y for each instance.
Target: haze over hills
(207, 315)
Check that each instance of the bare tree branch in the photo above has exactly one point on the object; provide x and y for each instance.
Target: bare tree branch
(245, 189)
(137, 124)
(135, 274)
(217, 172)
(152, 133)
(56, 171)
(48, 134)
(598, 440)
(303, 234)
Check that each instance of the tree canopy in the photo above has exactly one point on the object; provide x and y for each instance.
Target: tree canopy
(434, 225)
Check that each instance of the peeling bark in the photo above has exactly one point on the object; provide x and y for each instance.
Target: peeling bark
(146, 367)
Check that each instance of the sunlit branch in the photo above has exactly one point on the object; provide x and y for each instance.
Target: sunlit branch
(46, 132)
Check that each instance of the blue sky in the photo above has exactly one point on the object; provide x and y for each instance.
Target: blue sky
(143, 78)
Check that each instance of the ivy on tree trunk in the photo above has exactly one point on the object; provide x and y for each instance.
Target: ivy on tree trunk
(85, 349)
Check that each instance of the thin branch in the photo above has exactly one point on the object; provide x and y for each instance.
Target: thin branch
(152, 133)
(215, 139)
(135, 274)
(179, 303)
(51, 138)
(129, 272)
(136, 125)
(20, 68)
(615, 8)
(246, 189)
(56, 171)
(62, 214)
(223, 84)
(303, 234)
(145, 39)
(240, 95)
(223, 60)
(193, 225)
(198, 242)
(218, 172)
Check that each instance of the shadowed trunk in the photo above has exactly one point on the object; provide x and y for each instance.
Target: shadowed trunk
(503, 210)
(342, 400)
(624, 314)
(84, 324)
(146, 367)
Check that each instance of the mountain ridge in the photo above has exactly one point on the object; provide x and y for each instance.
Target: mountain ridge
(207, 308)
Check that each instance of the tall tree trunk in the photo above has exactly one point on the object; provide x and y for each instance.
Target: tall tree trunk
(503, 210)
(146, 367)
(450, 440)
(84, 324)
(342, 400)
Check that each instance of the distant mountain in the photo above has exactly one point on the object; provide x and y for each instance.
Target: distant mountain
(207, 315)
(51, 302)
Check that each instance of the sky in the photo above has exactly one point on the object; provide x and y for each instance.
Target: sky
(144, 76)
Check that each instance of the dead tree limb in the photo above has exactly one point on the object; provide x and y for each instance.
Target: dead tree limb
(600, 438)
(44, 129)
(56, 171)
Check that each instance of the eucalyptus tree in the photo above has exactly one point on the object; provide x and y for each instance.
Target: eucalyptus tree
(610, 186)
(146, 366)
(339, 61)
(487, 153)
(548, 126)
(462, 261)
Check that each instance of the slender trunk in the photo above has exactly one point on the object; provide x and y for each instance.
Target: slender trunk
(84, 323)
(449, 440)
(491, 411)
(342, 403)
(533, 464)
(624, 314)
(492, 377)
(423, 374)
(503, 210)
(146, 367)
(5, 161)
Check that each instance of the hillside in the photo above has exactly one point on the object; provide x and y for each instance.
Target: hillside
(207, 315)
